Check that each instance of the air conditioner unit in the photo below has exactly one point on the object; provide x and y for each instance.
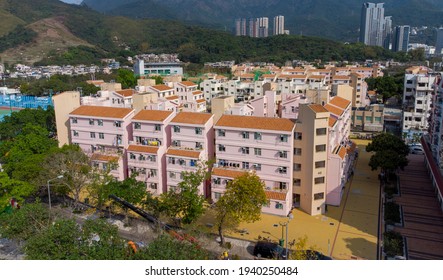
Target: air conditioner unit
(215, 165)
(255, 165)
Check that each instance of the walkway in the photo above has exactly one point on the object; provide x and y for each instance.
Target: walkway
(422, 216)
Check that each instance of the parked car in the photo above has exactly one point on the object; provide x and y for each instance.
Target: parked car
(269, 250)
(416, 150)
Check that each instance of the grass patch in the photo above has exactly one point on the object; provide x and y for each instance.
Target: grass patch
(393, 243)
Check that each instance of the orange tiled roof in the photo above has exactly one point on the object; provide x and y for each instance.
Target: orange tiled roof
(275, 195)
(247, 76)
(318, 108)
(340, 77)
(191, 118)
(161, 87)
(227, 173)
(152, 115)
(351, 148)
(102, 111)
(183, 153)
(143, 149)
(201, 101)
(251, 122)
(268, 76)
(340, 102)
(332, 121)
(95, 82)
(125, 92)
(334, 110)
(342, 152)
(316, 77)
(100, 157)
(173, 97)
(187, 84)
(197, 92)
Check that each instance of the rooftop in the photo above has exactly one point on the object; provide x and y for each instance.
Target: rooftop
(334, 110)
(152, 115)
(187, 84)
(340, 102)
(318, 108)
(142, 149)
(191, 118)
(183, 153)
(251, 122)
(125, 92)
(227, 173)
(102, 111)
(161, 87)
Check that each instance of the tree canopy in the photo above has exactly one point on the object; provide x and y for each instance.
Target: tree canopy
(390, 153)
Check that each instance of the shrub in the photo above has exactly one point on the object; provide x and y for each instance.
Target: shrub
(393, 243)
(392, 213)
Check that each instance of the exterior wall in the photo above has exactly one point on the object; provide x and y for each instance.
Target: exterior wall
(307, 124)
(220, 104)
(64, 103)
(334, 184)
(141, 100)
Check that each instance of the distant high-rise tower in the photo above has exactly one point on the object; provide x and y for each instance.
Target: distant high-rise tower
(439, 44)
(253, 27)
(372, 24)
(279, 25)
(263, 24)
(401, 38)
(240, 27)
(387, 33)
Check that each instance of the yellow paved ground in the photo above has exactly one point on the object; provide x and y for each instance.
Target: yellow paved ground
(345, 232)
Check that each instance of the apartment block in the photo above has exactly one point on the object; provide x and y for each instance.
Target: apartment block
(103, 133)
(146, 153)
(256, 144)
(192, 143)
(64, 103)
(310, 155)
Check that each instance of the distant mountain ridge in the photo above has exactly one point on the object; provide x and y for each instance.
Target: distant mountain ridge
(334, 19)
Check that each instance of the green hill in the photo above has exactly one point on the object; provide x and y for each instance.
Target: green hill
(54, 32)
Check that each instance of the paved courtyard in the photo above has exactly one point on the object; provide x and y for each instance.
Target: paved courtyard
(346, 232)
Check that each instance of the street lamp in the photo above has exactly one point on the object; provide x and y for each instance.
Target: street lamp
(285, 224)
(49, 189)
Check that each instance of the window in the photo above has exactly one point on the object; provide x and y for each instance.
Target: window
(297, 151)
(132, 156)
(171, 160)
(320, 148)
(100, 122)
(118, 124)
(245, 165)
(192, 162)
(101, 135)
(369, 119)
(245, 150)
(359, 118)
(297, 135)
(257, 151)
(283, 154)
(221, 132)
(157, 127)
(278, 205)
(257, 136)
(217, 181)
(198, 145)
(320, 131)
(153, 172)
(141, 157)
(292, 109)
(177, 128)
(297, 182)
(182, 162)
(153, 186)
(319, 180)
(137, 125)
(284, 138)
(91, 121)
(245, 135)
(283, 170)
(217, 195)
(152, 158)
(75, 132)
(320, 164)
(282, 185)
(378, 119)
(176, 143)
(318, 196)
(221, 148)
(198, 131)
(297, 167)
(74, 120)
(257, 166)
(92, 134)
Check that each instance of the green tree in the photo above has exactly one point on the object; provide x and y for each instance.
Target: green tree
(16, 189)
(242, 202)
(71, 162)
(390, 153)
(126, 78)
(385, 86)
(130, 190)
(185, 203)
(166, 248)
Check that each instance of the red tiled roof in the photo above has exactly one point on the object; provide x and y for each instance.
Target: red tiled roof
(102, 111)
(161, 87)
(318, 108)
(334, 110)
(227, 173)
(332, 121)
(187, 84)
(340, 102)
(191, 118)
(125, 92)
(152, 115)
(251, 122)
(143, 149)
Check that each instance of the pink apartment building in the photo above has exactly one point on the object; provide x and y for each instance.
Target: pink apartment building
(263, 145)
(103, 133)
(340, 149)
(146, 153)
(192, 143)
